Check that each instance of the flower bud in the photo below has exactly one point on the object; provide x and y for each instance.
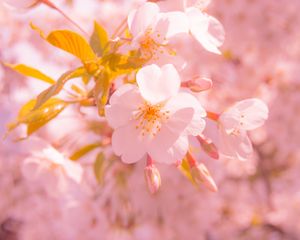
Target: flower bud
(152, 178)
(201, 175)
(198, 84)
(208, 146)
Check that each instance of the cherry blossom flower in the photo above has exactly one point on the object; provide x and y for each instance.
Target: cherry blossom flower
(154, 118)
(48, 164)
(152, 29)
(243, 116)
(207, 30)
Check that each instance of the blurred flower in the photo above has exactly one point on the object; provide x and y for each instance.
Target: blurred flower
(155, 118)
(198, 84)
(46, 163)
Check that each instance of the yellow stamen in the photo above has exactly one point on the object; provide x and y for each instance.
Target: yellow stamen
(150, 118)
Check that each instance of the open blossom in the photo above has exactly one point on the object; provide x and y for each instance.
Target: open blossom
(152, 29)
(47, 163)
(207, 30)
(154, 118)
(243, 116)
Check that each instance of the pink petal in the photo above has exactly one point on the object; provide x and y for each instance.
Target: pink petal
(172, 155)
(158, 84)
(73, 170)
(139, 20)
(127, 143)
(255, 113)
(185, 100)
(199, 84)
(33, 167)
(118, 94)
(123, 102)
(235, 146)
(170, 24)
(207, 30)
(169, 133)
(248, 114)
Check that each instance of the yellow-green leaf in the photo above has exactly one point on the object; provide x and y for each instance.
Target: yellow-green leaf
(101, 90)
(31, 72)
(84, 150)
(70, 42)
(99, 40)
(58, 86)
(99, 168)
(73, 43)
(35, 119)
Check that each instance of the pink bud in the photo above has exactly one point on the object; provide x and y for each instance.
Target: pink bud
(198, 84)
(208, 146)
(201, 176)
(152, 178)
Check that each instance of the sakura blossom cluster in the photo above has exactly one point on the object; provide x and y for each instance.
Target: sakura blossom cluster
(152, 91)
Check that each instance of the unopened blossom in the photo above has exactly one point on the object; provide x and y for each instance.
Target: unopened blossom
(201, 175)
(198, 84)
(154, 117)
(151, 29)
(243, 116)
(152, 177)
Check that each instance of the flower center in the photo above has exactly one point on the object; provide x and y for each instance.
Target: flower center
(150, 118)
(150, 46)
(237, 130)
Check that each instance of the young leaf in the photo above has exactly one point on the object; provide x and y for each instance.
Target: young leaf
(101, 90)
(84, 150)
(99, 40)
(70, 42)
(99, 168)
(30, 72)
(58, 86)
(208, 146)
(35, 119)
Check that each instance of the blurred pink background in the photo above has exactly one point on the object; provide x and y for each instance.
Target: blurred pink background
(257, 199)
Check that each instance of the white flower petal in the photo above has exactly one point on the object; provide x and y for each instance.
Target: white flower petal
(186, 100)
(123, 102)
(158, 84)
(255, 113)
(142, 18)
(172, 129)
(173, 154)
(235, 146)
(127, 143)
(248, 114)
(207, 30)
(170, 24)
